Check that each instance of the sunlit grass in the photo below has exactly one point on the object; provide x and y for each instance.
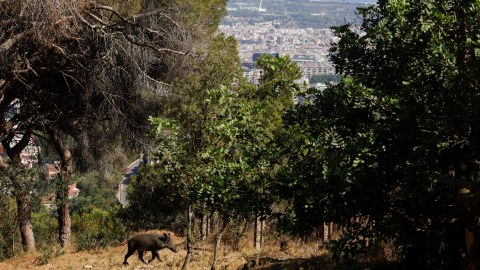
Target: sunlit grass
(297, 255)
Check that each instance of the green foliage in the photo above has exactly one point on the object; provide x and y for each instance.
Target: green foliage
(95, 228)
(277, 89)
(232, 161)
(95, 191)
(45, 227)
(156, 197)
(180, 136)
(404, 111)
(279, 72)
(8, 227)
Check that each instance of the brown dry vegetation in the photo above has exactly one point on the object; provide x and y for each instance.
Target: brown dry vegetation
(112, 257)
(297, 255)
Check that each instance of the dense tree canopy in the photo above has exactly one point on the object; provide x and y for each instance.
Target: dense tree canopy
(386, 150)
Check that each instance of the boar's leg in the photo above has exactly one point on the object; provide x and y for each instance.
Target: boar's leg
(129, 253)
(155, 255)
(140, 256)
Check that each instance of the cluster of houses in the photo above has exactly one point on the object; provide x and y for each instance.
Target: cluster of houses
(50, 171)
(29, 157)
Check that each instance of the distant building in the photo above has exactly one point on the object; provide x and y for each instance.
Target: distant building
(257, 55)
(51, 169)
(310, 70)
(49, 202)
(73, 191)
(320, 86)
(303, 59)
(302, 81)
(29, 155)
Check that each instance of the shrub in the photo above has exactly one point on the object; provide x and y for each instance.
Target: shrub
(96, 228)
(46, 229)
(8, 227)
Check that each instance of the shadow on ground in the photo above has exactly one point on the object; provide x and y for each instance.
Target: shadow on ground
(314, 263)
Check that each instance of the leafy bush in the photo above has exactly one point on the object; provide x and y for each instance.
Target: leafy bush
(46, 229)
(95, 190)
(96, 228)
(8, 227)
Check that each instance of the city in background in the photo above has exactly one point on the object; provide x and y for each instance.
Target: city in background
(300, 29)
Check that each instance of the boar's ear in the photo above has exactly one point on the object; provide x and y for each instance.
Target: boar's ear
(165, 236)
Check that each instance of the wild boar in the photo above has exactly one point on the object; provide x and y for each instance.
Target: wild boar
(149, 242)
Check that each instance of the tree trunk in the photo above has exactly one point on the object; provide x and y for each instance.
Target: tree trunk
(64, 223)
(22, 193)
(467, 203)
(326, 231)
(218, 239)
(204, 226)
(262, 227)
(189, 236)
(258, 233)
(209, 224)
(25, 220)
(239, 234)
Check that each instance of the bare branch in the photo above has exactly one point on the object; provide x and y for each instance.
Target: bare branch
(13, 40)
(155, 12)
(152, 46)
(83, 20)
(114, 12)
(96, 18)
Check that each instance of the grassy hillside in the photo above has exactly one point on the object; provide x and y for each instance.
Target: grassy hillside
(112, 257)
(296, 255)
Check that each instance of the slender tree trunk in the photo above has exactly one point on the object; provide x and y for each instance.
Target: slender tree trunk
(13, 242)
(325, 232)
(25, 220)
(203, 226)
(64, 223)
(262, 227)
(22, 193)
(258, 232)
(218, 239)
(209, 224)
(469, 208)
(238, 235)
(189, 236)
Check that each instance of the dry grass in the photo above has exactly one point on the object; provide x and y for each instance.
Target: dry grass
(295, 256)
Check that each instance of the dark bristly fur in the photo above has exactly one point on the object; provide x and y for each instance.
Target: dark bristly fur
(149, 242)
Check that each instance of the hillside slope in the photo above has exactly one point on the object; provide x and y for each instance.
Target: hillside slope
(270, 257)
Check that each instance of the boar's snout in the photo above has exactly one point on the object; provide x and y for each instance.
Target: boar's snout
(169, 243)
